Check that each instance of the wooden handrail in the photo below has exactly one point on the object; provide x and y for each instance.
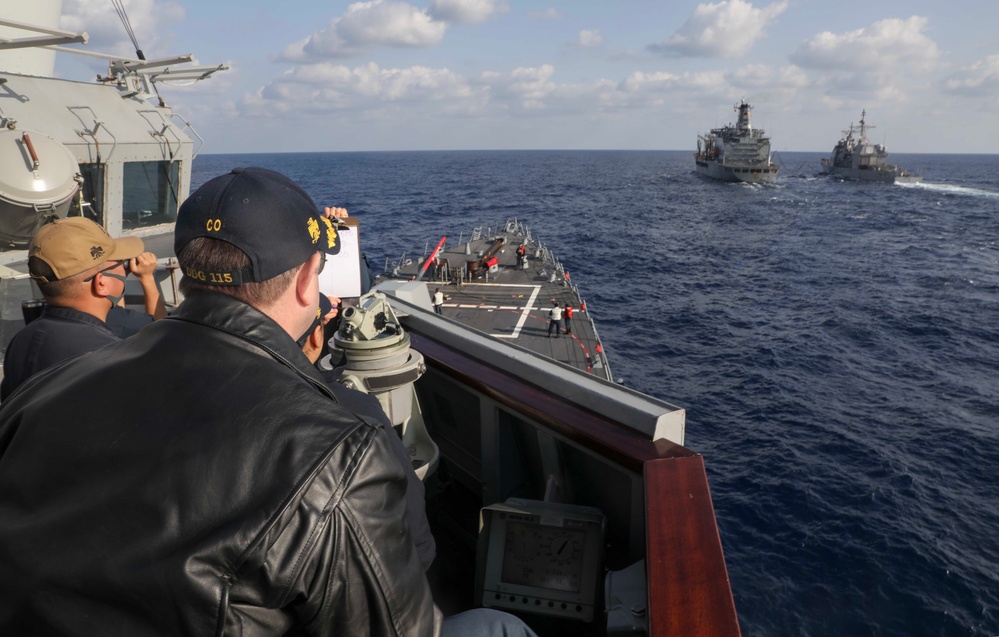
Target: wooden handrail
(689, 589)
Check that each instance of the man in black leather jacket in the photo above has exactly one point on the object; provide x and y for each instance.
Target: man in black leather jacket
(199, 478)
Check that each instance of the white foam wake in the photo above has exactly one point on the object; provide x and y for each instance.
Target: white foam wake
(951, 189)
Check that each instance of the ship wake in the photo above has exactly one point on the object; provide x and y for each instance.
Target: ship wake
(951, 189)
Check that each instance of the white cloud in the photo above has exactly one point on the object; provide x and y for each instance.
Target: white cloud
(639, 80)
(726, 29)
(530, 86)
(423, 93)
(978, 79)
(149, 19)
(208, 99)
(761, 77)
(368, 24)
(697, 93)
(589, 39)
(466, 11)
(887, 62)
(325, 87)
(770, 85)
(887, 46)
(653, 88)
(550, 13)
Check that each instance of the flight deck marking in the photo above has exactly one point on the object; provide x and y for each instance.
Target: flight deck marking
(501, 285)
(524, 311)
(523, 315)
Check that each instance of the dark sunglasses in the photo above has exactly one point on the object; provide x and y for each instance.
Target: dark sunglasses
(110, 267)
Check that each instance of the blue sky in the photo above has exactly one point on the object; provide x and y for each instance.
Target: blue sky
(310, 75)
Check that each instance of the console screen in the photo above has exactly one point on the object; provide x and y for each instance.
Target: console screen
(540, 557)
(543, 556)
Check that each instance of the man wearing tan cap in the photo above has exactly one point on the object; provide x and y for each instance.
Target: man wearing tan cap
(80, 271)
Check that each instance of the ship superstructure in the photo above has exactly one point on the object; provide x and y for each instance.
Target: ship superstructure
(110, 150)
(856, 157)
(736, 153)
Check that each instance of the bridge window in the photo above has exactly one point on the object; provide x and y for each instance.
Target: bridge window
(150, 193)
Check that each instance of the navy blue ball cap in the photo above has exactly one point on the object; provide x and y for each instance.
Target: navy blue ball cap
(263, 213)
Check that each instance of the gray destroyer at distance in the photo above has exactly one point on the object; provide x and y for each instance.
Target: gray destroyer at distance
(736, 153)
(859, 159)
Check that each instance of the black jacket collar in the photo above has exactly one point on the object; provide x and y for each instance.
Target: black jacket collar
(230, 315)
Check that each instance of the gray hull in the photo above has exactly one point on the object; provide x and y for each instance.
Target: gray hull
(748, 174)
(889, 175)
(858, 159)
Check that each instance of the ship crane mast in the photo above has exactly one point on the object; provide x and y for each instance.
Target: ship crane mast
(863, 126)
(743, 125)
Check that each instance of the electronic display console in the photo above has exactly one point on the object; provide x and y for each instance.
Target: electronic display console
(540, 557)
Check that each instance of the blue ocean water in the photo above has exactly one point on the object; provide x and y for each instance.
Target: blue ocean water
(835, 346)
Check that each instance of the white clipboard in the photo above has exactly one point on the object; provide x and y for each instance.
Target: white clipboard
(342, 275)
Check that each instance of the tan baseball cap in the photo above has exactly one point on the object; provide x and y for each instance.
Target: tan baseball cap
(75, 244)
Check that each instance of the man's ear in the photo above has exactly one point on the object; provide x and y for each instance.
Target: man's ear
(313, 346)
(316, 337)
(99, 286)
(305, 278)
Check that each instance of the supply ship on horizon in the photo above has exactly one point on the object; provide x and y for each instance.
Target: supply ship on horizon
(736, 153)
(859, 159)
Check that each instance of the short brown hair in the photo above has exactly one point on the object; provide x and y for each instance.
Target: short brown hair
(53, 288)
(206, 254)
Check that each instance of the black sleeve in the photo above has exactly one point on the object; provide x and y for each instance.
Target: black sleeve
(367, 406)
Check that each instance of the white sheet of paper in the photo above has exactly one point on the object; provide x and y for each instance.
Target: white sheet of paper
(342, 275)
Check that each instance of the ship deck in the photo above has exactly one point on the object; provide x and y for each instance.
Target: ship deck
(511, 303)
